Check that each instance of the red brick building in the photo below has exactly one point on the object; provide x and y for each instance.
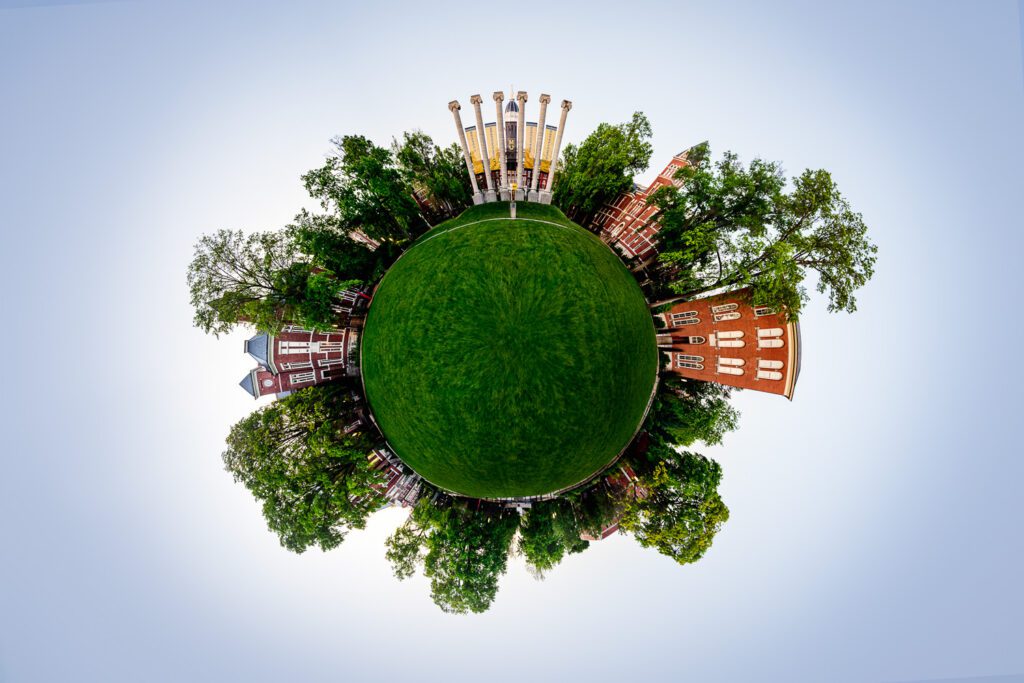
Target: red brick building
(297, 358)
(628, 224)
(726, 339)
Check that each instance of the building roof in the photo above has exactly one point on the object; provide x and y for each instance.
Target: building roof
(512, 106)
(259, 348)
(249, 384)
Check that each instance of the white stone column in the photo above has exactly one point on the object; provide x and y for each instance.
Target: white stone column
(520, 142)
(454, 107)
(545, 194)
(538, 146)
(499, 97)
(485, 155)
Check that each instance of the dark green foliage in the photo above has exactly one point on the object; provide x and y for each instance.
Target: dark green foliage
(329, 246)
(733, 226)
(463, 551)
(362, 187)
(313, 481)
(260, 279)
(547, 532)
(681, 511)
(685, 411)
(440, 173)
(601, 167)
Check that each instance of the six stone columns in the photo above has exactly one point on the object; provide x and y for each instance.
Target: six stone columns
(454, 107)
(499, 97)
(521, 135)
(485, 157)
(538, 146)
(545, 194)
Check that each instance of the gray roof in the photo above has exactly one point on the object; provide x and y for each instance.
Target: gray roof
(259, 348)
(249, 384)
(512, 106)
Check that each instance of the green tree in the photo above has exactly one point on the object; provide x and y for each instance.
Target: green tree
(329, 246)
(314, 481)
(547, 532)
(731, 226)
(602, 167)
(260, 279)
(439, 173)
(685, 411)
(363, 188)
(681, 511)
(463, 552)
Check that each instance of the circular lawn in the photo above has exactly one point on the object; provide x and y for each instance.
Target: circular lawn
(508, 358)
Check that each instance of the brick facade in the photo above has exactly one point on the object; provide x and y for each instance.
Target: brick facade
(725, 339)
(628, 224)
(296, 359)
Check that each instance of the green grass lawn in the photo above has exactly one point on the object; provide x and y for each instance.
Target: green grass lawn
(508, 358)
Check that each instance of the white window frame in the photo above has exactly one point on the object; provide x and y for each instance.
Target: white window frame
(722, 317)
(771, 343)
(735, 362)
(770, 364)
(773, 375)
(302, 377)
(762, 311)
(689, 365)
(724, 308)
(688, 357)
(301, 365)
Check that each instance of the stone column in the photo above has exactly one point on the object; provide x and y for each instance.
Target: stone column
(485, 155)
(545, 194)
(499, 97)
(454, 106)
(520, 143)
(538, 146)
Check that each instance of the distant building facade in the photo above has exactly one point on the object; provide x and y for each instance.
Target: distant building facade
(297, 358)
(628, 224)
(726, 339)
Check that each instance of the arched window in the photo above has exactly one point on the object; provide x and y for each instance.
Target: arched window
(724, 308)
(731, 334)
(721, 317)
(770, 332)
(285, 348)
(301, 377)
(735, 362)
(296, 366)
(769, 343)
(688, 364)
(762, 311)
(692, 359)
(690, 340)
(769, 374)
(727, 370)
(770, 364)
(731, 343)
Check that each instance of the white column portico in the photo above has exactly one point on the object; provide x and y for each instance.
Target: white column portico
(454, 107)
(538, 146)
(545, 194)
(520, 143)
(499, 97)
(485, 156)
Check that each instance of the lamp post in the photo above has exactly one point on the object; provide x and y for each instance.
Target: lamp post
(512, 204)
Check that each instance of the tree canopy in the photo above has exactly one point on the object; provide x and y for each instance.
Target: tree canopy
(602, 167)
(314, 481)
(547, 532)
(363, 189)
(732, 226)
(262, 279)
(685, 411)
(438, 173)
(463, 551)
(681, 510)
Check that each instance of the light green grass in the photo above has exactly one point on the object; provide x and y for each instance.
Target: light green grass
(508, 358)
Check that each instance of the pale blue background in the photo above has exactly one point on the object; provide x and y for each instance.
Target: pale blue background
(876, 520)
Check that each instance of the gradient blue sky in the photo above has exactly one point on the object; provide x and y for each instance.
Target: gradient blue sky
(876, 520)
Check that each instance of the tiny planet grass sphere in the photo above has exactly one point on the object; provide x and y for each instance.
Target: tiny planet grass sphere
(508, 358)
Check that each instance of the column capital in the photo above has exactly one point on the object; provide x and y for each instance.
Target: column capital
(475, 99)
(544, 99)
(521, 96)
(454, 105)
(498, 96)
(566, 105)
